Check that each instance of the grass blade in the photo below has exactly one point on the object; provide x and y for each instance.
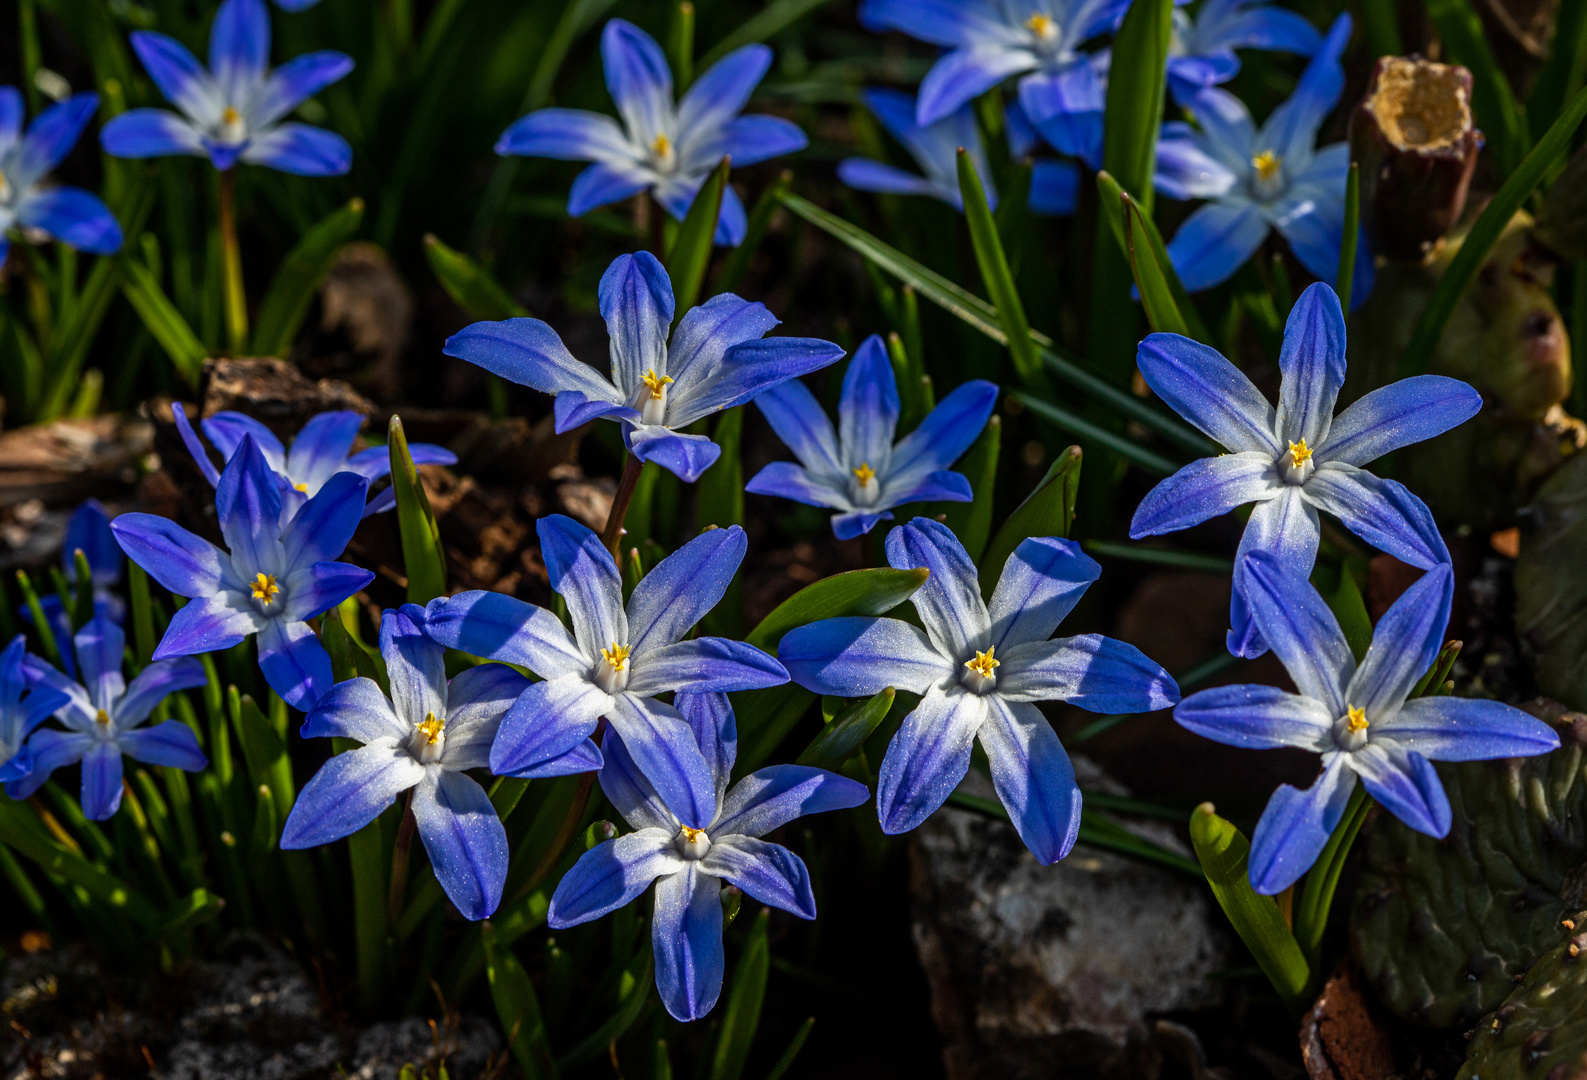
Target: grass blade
(1065, 420)
(143, 292)
(1049, 510)
(995, 272)
(1350, 236)
(745, 996)
(772, 20)
(423, 559)
(286, 302)
(1498, 113)
(691, 251)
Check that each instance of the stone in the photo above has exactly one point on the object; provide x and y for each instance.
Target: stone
(1056, 971)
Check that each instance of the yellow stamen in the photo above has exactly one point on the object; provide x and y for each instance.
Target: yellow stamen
(864, 474)
(230, 116)
(1299, 454)
(617, 656)
(655, 382)
(983, 663)
(662, 146)
(691, 835)
(302, 487)
(1040, 25)
(102, 717)
(1355, 718)
(1267, 164)
(432, 729)
(265, 587)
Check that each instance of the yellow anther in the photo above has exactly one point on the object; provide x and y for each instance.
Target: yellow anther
(654, 381)
(617, 656)
(1299, 454)
(983, 663)
(1356, 718)
(265, 587)
(662, 146)
(102, 717)
(231, 115)
(864, 474)
(1267, 164)
(302, 487)
(431, 727)
(1040, 25)
(691, 835)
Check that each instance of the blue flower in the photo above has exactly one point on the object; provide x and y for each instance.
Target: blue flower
(715, 360)
(322, 449)
(1257, 181)
(1297, 459)
(88, 531)
(102, 719)
(1061, 88)
(1357, 718)
(24, 705)
(273, 578)
(1054, 184)
(665, 148)
(69, 214)
(422, 737)
(615, 662)
(690, 864)
(980, 669)
(862, 472)
(233, 111)
(1201, 52)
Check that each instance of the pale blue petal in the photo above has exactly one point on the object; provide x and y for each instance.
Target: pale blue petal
(962, 75)
(294, 662)
(680, 589)
(704, 665)
(927, 758)
(568, 135)
(949, 603)
(1384, 513)
(415, 663)
(858, 657)
(354, 709)
(1214, 242)
(686, 939)
(604, 183)
(1312, 363)
(1405, 643)
(1286, 528)
(1203, 490)
(503, 628)
(73, 216)
(1033, 777)
(662, 744)
(349, 791)
(1198, 383)
(1094, 672)
(764, 871)
(685, 456)
(1257, 718)
(1397, 415)
(1042, 581)
(171, 743)
(770, 798)
(582, 571)
(1295, 827)
(548, 719)
(1407, 786)
(1299, 627)
(1444, 728)
(300, 150)
(464, 839)
(610, 876)
(636, 302)
(528, 352)
(102, 785)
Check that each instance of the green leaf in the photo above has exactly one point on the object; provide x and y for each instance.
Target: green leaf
(1343, 595)
(263, 752)
(367, 855)
(847, 731)
(1224, 854)
(745, 995)
(518, 1007)
(1345, 281)
(680, 43)
(854, 592)
(422, 555)
(971, 521)
(796, 1044)
(1485, 233)
(22, 831)
(143, 292)
(1186, 560)
(1115, 201)
(1049, 510)
(721, 503)
(690, 253)
(634, 992)
(770, 21)
(1315, 896)
(1133, 114)
(765, 719)
(1564, 72)
(995, 272)
(1162, 313)
(348, 658)
(470, 284)
(286, 302)
(1498, 113)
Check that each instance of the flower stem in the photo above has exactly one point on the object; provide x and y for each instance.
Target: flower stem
(1315, 896)
(231, 257)
(570, 824)
(399, 863)
(612, 535)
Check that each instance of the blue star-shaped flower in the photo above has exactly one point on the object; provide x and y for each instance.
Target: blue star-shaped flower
(88, 531)
(668, 149)
(69, 214)
(716, 359)
(1201, 52)
(1356, 717)
(24, 705)
(689, 865)
(275, 575)
(104, 719)
(1300, 458)
(233, 111)
(858, 470)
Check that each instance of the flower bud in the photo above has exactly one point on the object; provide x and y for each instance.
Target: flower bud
(1413, 137)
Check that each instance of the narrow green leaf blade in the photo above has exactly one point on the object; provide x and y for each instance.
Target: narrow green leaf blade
(1049, 510)
(1158, 300)
(847, 732)
(423, 558)
(691, 251)
(855, 592)
(745, 996)
(143, 292)
(286, 302)
(469, 283)
(971, 521)
(1134, 109)
(1498, 113)
(1345, 282)
(995, 272)
(518, 1008)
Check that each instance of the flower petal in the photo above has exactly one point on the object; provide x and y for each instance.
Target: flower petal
(750, 140)
(465, 840)
(179, 77)
(785, 480)
(1291, 129)
(300, 150)
(239, 45)
(863, 174)
(1215, 241)
(1400, 414)
(499, 627)
(927, 758)
(949, 603)
(1185, 167)
(1033, 776)
(704, 665)
(749, 369)
(611, 875)
(1384, 513)
(1204, 490)
(583, 572)
(685, 456)
(961, 75)
(1312, 362)
(802, 424)
(313, 590)
(1285, 527)
(170, 743)
(1405, 643)
(227, 429)
(99, 646)
(321, 530)
(710, 717)
(354, 709)
(73, 216)
(349, 791)
(51, 749)
(102, 772)
(153, 685)
(628, 790)
(476, 700)
(681, 588)
(188, 565)
(1299, 627)
(858, 657)
(868, 408)
(1444, 728)
(294, 662)
(1094, 672)
(322, 446)
(686, 938)
(415, 663)
(248, 503)
(604, 183)
(947, 23)
(1406, 784)
(568, 135)
(1198, 383)
(770, 798)
(294, 82)
(1042, 581)
(1257, 718)
(529, 353)
(638, 79)
(662, 744)
(1296, 825)
(546, 721)
(722, 90)
(947, 431)
(858, 523)
(636, 302)
(766, 872)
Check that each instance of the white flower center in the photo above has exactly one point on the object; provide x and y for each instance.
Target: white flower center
(1267, 175)
(1044, 28)
(1296, 464)
(651, 400)
(428, 740)
(1350, 730)
(231, 129)
(864, 489)
(5, 188)
(664, 154)
(611, 673)
(979, 676)
(692, 844)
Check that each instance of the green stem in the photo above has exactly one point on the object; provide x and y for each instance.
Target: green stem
(399, 863)
(1316, 894)
(231, 257)
(612, 535)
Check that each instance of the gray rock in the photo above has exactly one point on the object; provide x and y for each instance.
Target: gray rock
(1056, 971)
